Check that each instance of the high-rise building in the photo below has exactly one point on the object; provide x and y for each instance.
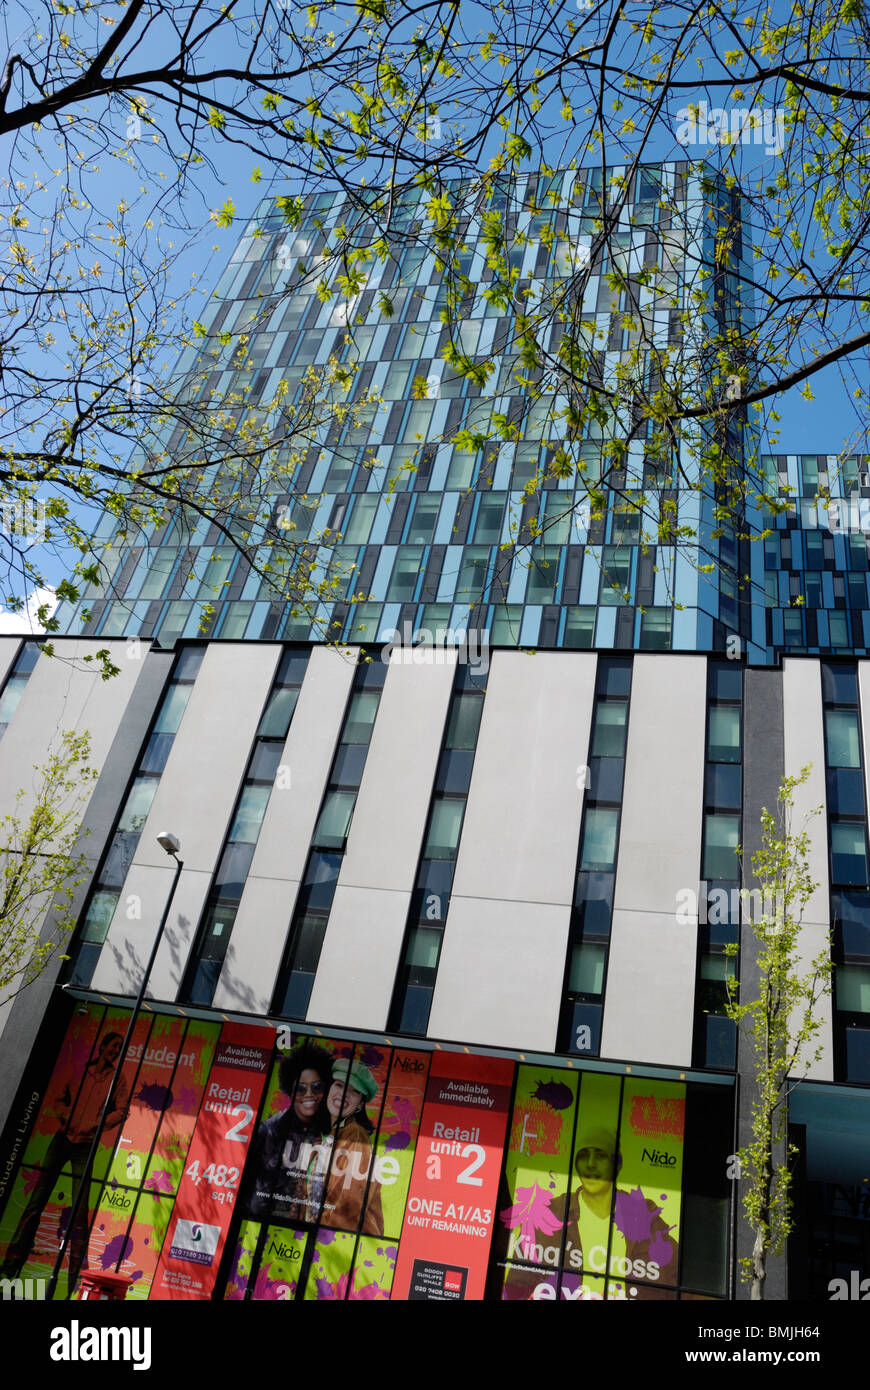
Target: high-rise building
(438, 1008)
(438, 534)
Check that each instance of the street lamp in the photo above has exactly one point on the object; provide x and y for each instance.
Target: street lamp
(171, 844)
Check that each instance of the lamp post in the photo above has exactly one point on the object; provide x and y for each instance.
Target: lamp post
(171, 844)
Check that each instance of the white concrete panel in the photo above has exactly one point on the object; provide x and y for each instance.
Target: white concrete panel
(649, 1000)
(663, 792)
(207, 762)
(64, 692)
(361, 951)
(522, 820)
(260, 929)
(285, 835)
(803, 739)
(500, 974)
(259, 935)
(134, 926)
(804, 742)
(389, 819)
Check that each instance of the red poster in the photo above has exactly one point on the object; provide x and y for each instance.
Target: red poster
(215, 1161)
(449, 1216)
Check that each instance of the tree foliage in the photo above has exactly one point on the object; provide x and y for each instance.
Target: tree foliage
(780, 1025)
(388, 103)
(40, 866)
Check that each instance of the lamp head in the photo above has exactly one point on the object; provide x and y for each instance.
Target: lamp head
(171, 843)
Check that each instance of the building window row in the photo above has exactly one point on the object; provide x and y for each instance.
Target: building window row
(430, 899)
(106, 892)
(592, 910)
(16, 681)
(719, 919)
(849, 871)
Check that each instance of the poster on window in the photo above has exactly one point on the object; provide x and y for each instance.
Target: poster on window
(210, 1183)
(590, 1203)
(449, 1215)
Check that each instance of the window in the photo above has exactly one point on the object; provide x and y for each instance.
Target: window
(848, 852)
(609, 729)
(724, 734)
(18, 678)
(361, 717)
(599, 839)
(586, 970)
(173, 707)
(406, 573)
(463, 722)
(487, 528)
(445, 822)
(655, 630)
(844, 745)
(615, 575)
(249, 814)
(138, 803)
(334, 820)
(579, 627)
(853, 988)
(543, 574)
(356, 530)
(422, 527)
(471, 584)
(721, 837)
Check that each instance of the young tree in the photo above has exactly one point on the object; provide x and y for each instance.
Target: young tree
(780, 1026)
(40, 867)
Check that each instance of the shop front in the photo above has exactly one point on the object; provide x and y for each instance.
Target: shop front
(244, 1161)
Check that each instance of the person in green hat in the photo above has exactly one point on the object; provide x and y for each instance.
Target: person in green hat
(353, 1087)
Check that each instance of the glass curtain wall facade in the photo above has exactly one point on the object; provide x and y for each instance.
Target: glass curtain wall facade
(437, 535)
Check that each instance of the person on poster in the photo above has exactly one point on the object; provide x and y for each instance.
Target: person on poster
(289, 1151)
(78, 1112)
(352, 1087)
(641, 1247)
(642, 1251)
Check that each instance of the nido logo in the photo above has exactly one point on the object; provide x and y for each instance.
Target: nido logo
(659, 1158)
(117, 1199)
(284, 1252)
(408, 1064)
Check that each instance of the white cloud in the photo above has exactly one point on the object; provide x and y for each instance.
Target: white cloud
(25, 622)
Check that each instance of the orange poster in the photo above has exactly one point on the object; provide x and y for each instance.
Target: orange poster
(210, 1184)
(450, 1212)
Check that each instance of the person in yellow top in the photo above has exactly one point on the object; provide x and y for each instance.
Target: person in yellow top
(78, 1112)
(352, 1087)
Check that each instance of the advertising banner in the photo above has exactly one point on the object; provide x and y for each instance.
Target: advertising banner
(215, 1161)
(590, 1204)
(55, 1165)
(346, 1170)
(449, 1215)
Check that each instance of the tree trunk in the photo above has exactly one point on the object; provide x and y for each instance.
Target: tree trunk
(759, 1272)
